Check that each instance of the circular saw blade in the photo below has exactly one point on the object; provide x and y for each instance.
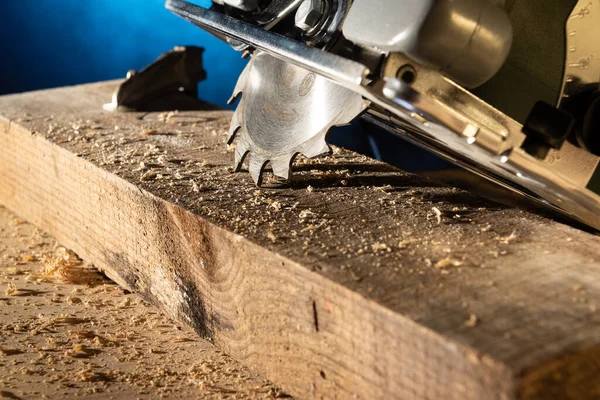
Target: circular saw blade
(284, 111)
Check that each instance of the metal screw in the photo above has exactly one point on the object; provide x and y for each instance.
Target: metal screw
(309, 14)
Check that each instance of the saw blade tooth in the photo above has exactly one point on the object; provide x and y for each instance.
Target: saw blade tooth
(241, 151)
(233, 97)
(317, 148)
(257, 168)
(234, 127)
(276, 117)
(283, 167)
(241, 83)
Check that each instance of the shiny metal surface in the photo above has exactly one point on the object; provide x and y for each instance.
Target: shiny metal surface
(571, 161)
(268, 17)
(244, 5)
(309, 14)
(467, 41)
(445, 127)
(330, 26)
(275, 11)
(284, 111)
(345, 72)
(435, 112)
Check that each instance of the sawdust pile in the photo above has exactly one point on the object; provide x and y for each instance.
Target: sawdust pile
(66, 331)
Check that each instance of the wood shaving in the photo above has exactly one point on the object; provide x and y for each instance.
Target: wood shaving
(195, 187)
(438, 214)
(181, 340)
(78, 351)
(89, 375)
(11, 289)
(472, 322)
(275, 205)
(12, 271)
(508, 239)
(448, 262)
(380, 247)
(64, 267)
(29, 258)
(272, 236)
(148, 176)
(305, 214)
(81, 334)
(384, 189)
(73, 299)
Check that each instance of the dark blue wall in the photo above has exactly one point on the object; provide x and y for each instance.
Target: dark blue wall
(49, 43)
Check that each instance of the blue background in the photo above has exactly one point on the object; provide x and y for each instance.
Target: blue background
(49, 43)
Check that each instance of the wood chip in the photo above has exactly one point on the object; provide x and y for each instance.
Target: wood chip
(473, 321)
(11, 290)
(438, 214)
(448, 262)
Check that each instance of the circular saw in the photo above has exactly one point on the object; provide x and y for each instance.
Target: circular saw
(506, 89)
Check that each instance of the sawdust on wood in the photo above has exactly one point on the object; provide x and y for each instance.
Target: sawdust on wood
(163, 153)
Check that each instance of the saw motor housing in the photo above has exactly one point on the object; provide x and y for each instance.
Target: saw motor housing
(467, 40)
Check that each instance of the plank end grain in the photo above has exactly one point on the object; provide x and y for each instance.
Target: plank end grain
(358, 280)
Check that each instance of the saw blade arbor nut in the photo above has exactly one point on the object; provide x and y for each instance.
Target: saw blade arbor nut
(309, 14)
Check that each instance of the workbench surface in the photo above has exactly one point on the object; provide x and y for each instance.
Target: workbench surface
(67, 331)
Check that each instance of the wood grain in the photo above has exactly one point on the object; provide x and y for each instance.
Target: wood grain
(68, 332)
(346, 284)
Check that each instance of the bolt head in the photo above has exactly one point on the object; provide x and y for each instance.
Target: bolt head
(309, 14)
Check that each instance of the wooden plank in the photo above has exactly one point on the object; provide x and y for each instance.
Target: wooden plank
(346, 284)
